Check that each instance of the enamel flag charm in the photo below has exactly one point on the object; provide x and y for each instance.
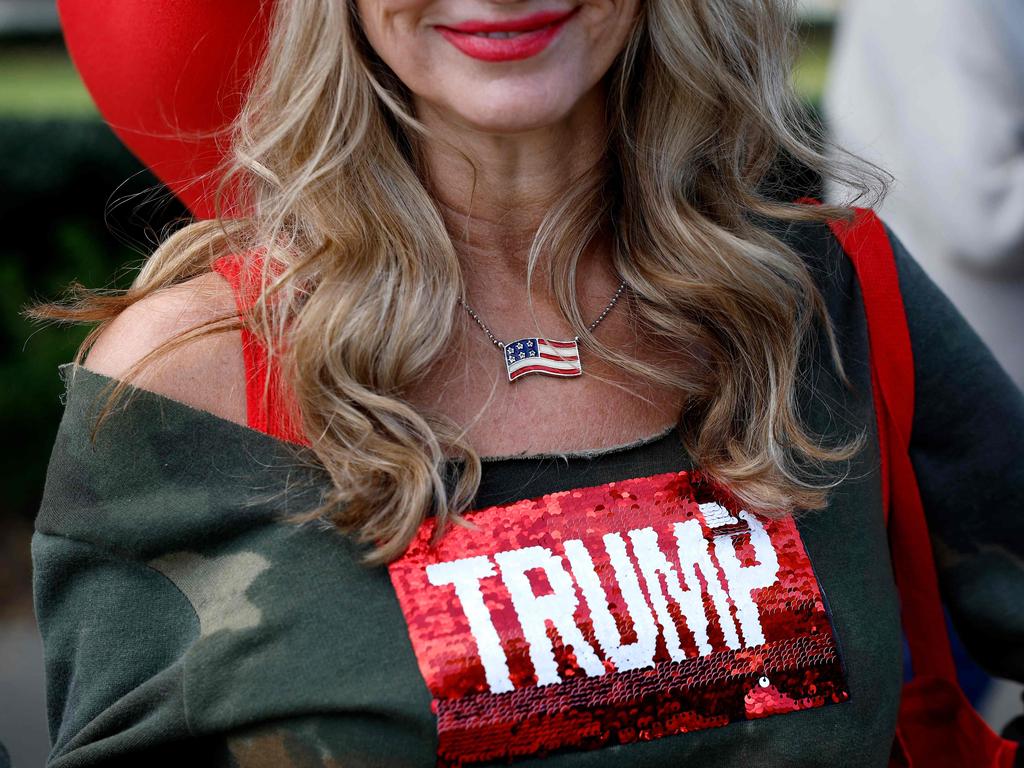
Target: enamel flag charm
(555, 358)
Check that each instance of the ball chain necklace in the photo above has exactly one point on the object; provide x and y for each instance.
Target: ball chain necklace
(536, 355)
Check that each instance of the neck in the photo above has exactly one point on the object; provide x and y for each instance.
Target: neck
(493, 190)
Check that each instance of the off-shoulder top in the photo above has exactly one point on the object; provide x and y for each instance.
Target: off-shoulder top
(610, 607)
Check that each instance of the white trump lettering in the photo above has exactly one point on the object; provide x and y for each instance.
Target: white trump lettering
(636, 655)
(693, 555)
(535, 611)
(743, 580)
(684, 581)
(653, 563)
(465, 576)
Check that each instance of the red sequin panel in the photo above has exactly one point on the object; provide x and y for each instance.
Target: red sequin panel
(617, 613)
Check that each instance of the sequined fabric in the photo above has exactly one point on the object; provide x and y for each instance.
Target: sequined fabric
(616, 613)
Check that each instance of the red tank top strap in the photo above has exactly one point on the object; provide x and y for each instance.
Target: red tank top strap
(269, 408)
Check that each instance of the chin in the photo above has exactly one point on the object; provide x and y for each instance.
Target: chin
(506, 118)
(508, 108)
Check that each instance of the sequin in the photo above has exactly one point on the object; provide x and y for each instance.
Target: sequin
(611, 614)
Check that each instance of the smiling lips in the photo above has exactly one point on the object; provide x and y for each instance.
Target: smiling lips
(506, 40)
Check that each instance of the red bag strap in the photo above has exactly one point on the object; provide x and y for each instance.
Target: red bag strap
(268, 405)
(867, 245)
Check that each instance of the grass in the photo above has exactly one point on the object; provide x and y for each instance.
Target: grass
(41, 82)
(811, 69)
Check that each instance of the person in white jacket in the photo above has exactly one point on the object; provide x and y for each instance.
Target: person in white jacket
(933, 91)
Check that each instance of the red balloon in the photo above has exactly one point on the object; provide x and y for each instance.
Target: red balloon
(162, 73)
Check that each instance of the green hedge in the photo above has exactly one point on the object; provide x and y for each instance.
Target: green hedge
(74, 204)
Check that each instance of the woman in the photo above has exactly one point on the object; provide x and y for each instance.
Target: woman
(531, 566)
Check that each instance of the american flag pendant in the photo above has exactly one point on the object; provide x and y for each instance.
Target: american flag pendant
(554, 358)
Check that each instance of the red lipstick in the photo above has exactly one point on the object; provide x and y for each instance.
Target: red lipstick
(506, 40)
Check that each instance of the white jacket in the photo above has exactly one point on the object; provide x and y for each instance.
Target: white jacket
(933, 91)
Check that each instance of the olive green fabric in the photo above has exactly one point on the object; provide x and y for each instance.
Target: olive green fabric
(184, 623)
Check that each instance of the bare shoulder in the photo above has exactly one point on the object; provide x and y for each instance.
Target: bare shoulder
(207, 373)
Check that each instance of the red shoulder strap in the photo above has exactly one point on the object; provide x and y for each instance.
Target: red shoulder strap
(269, 405)
(867, 245)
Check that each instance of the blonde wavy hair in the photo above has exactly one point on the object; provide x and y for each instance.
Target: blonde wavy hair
(362, 276)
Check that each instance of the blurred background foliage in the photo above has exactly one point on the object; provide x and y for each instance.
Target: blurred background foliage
(74, 205)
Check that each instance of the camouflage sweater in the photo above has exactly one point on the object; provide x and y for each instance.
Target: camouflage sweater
(606, 608)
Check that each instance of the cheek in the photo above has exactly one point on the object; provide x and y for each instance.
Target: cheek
(607, 24)
(392, 27)
(389, 24)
